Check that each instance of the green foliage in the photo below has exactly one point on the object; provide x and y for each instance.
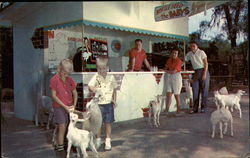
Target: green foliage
(195, 36)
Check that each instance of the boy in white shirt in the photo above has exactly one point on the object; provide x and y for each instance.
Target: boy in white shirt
(105, 85)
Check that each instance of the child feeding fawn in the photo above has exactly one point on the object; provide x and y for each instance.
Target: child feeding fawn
(104, 84)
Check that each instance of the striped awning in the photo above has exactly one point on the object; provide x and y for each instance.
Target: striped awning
(114, 27)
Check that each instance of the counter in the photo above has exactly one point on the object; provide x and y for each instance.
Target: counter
(135, 90)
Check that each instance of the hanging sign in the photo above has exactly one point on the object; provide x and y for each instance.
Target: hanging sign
(175, 9)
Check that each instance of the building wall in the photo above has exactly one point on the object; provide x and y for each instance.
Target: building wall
(135, 14)
(29, 61)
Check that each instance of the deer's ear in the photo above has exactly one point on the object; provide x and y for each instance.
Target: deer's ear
(88, 114)
(96, 99)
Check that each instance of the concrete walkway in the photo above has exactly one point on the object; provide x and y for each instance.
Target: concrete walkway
(186, 136)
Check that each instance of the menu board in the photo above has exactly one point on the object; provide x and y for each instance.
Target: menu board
(98, 48)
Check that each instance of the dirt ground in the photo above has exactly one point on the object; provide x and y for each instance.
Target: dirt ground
(186, 136)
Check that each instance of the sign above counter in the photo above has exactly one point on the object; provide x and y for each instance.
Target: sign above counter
(178, 9)
(172, 10)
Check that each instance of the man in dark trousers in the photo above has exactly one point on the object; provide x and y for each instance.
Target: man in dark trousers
(201, 77)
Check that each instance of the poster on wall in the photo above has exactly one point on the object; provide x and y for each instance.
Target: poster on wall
(62, 44)
(98, 48)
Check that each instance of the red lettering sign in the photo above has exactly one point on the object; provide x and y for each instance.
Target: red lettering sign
(172, 10)
(74, 39)
(51, 34)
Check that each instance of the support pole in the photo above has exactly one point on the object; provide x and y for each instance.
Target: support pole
(184, 54)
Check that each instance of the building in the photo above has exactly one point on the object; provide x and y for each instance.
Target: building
(108, 21)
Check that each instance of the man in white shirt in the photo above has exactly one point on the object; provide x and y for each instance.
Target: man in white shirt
(201, 77)
(104, 84)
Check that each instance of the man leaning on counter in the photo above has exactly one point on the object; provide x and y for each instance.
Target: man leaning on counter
(137, 56)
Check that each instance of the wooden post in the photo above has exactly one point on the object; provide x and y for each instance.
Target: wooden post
(184, 54)
(83, 62)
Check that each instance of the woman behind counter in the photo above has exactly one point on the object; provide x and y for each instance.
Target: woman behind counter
(174, 80)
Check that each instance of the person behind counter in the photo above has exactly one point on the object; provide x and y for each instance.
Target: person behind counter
(78, 60)
(201, 77)
(64, 95)
(174, 80)
(137, 56)
(105, 85)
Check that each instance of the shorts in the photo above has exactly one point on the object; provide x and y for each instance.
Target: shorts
(61, 116)
(107, 111)
(174, 83)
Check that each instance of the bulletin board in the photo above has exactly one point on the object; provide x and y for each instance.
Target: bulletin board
(98, 48)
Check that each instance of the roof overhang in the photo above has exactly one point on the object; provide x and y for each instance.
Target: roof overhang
(201, 6)
(19, 8)
(114, 27)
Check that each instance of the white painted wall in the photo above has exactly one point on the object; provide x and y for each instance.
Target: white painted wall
(27, 60)
(134, 14)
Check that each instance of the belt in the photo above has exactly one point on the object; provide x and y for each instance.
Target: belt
(104, 104)
(199, 69)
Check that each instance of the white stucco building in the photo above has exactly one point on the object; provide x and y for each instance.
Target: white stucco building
(123, 21)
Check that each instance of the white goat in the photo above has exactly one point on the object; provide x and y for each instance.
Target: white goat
(155, 107)
(44, 106)
(188, 98)
(94, 123)
(220, 116)
(231, 100)
(223, 91)
(78, 137)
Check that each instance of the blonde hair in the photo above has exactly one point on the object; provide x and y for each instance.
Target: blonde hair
(66, 65)
(102, 61)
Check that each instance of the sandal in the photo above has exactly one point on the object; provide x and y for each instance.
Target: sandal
(59, 148)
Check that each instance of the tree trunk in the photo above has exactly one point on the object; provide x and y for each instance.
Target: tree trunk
(233, 42)
(232, 24)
